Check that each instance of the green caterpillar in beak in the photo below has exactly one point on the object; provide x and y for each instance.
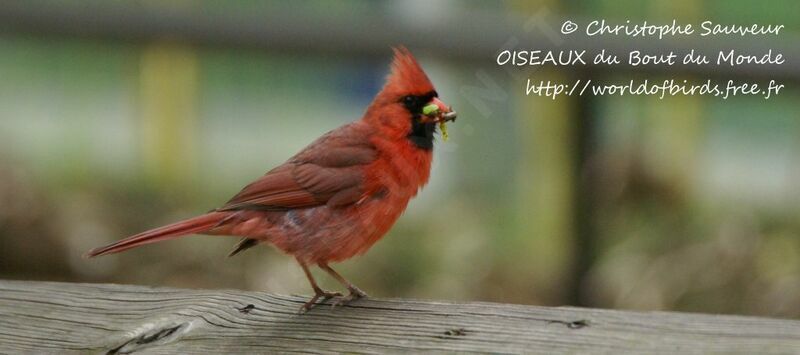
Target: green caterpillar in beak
(433, 110)
(430, 110)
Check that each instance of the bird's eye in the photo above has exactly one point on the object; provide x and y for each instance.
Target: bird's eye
(412, 103)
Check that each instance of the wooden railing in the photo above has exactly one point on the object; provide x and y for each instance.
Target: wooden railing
(50, 317)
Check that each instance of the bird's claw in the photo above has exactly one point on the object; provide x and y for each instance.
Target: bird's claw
(355, 293)
(320, 293)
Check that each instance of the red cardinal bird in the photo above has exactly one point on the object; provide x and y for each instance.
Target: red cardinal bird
(339, 195)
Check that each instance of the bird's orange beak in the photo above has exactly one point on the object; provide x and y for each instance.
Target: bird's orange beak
(438, 112)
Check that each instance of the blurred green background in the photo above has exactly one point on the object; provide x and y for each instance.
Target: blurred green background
(117, 125)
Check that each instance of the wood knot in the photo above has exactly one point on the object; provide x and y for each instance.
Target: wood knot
(246, 309)
(153, 336)
(576, 324)
(453, 332)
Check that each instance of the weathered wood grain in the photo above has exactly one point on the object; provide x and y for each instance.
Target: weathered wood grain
(42, 317)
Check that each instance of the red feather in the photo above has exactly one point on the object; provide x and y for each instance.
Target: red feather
(192, 225)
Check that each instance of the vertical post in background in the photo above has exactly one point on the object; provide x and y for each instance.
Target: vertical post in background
(584, 186)
(668, 145)
(546, 184)
(675, 122)
(168, 97)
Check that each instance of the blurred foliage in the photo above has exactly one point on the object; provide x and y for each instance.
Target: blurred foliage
(695, 200)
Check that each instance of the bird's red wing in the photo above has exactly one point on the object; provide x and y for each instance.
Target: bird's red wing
(278, 189)
(329, 171)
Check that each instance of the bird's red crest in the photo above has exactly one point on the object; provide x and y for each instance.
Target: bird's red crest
(407, 77)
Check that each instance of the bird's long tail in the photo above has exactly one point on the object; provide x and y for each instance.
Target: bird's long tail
(197, 224)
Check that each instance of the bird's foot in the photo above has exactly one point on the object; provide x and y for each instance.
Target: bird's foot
(318, 293)
(355, 293)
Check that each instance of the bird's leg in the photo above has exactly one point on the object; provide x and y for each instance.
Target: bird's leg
(355, 292)
(318, 292)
